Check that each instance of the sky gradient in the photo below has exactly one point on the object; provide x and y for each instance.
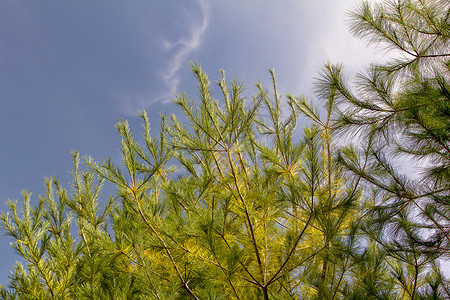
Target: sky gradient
(69, 70)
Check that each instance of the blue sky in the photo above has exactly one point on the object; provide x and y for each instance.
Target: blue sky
(69, 70)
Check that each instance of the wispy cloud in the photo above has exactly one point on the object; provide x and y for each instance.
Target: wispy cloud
(178, 52)
(184, 47)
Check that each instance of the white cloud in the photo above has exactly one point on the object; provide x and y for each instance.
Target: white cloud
(183, 48)
(177, 51)
(319, 36)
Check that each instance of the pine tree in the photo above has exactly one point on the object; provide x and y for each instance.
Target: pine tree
(233, 200)
(400, 111)
(225, 205)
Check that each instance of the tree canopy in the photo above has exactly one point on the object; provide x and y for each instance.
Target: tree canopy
(234, 200)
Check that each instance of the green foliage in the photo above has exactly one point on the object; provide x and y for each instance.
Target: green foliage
(400, 112)
(237, 202)
(226, 205)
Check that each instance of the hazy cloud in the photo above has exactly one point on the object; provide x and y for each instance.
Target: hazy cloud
(182, 49)
(175, 53)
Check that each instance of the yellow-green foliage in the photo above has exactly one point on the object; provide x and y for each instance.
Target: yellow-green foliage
(233, 200)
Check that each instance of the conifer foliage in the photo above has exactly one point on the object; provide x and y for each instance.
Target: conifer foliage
(401, 111)
(224, 205)
(235, 201)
